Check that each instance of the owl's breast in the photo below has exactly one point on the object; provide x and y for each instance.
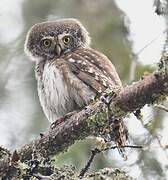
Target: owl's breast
(53, 93)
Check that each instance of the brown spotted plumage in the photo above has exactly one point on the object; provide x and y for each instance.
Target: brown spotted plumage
(93, 68)
(69, 73)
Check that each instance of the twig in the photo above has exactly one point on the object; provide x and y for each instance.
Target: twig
(159, 141)
(85, 169)
(134, 61)
(133, 66)
(96, 151)
(161, 107)
(126, 146)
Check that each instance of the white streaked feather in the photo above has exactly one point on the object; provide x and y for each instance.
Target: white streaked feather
(54, 95)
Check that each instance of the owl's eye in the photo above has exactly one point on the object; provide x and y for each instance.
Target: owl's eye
(66, 39)
(47, 43)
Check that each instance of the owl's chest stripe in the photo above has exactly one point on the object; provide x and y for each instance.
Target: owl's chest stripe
(53, 93)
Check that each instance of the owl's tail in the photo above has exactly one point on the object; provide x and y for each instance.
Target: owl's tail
(119, 135)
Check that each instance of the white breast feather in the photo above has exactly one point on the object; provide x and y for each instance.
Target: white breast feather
(54, 95)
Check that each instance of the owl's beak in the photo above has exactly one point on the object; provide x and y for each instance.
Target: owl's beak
(58, 49)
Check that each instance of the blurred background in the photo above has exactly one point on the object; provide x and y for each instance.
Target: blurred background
(129, 32)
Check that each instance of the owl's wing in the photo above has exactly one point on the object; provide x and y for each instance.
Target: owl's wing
(94, 69)
(102, 62)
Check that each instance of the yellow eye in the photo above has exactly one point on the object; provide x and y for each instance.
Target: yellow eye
(47, 43)
(66, 39)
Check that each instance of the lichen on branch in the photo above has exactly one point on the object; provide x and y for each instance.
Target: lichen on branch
(92, 119)
(149, 90)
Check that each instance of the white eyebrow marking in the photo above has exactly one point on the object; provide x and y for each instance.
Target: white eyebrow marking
(71, 60)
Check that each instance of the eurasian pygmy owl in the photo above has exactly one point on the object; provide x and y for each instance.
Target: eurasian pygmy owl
(69, 73)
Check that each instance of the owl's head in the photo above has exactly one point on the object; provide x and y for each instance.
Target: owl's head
(48, 40)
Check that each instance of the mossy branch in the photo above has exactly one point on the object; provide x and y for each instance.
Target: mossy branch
(90, 121)
(149, 90)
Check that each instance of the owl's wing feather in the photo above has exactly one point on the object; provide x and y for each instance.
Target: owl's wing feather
(90, 81)
(94, 69)
(102, 62)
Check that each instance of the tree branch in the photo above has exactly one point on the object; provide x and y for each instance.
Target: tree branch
(90, 121)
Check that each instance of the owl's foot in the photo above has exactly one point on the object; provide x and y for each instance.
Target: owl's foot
(62, 119)
(108, 96)
(68, 115)
(57, 122)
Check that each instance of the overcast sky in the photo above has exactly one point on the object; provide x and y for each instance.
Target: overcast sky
(145, 26)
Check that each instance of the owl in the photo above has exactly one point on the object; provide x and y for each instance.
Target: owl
(69, 73)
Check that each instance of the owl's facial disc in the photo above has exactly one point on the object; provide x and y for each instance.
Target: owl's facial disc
(49, 40)
(55, 46)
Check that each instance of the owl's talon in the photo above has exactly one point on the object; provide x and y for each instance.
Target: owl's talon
(68, 115)
(109, 95)
(62, 119)
(41, 135)
(57, 122)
